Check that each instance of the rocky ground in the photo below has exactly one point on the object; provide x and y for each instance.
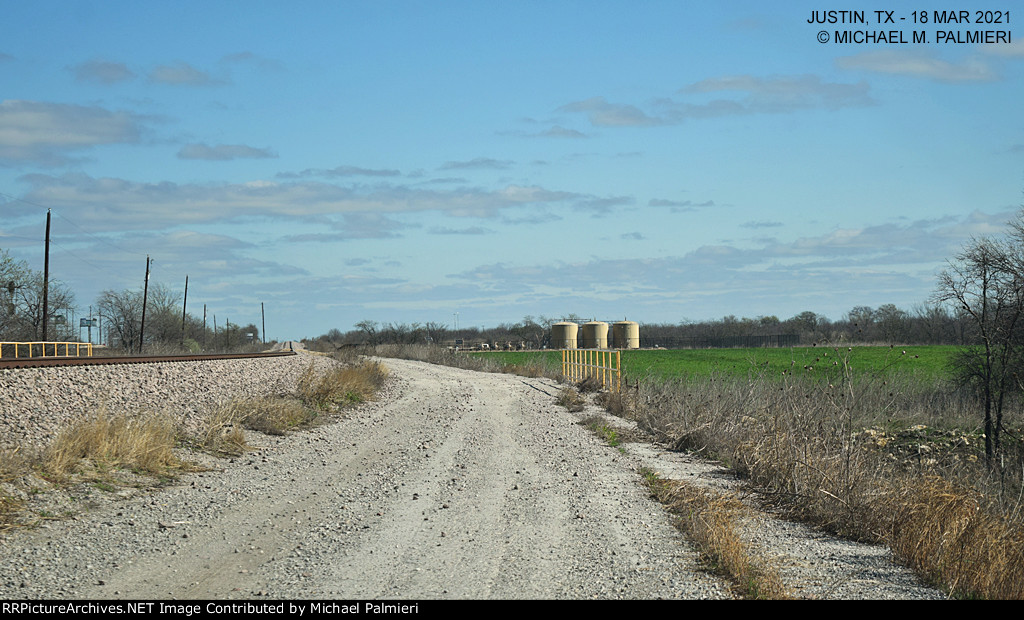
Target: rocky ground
(454, 484)
(38, 402)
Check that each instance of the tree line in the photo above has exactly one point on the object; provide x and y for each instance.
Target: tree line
(118, 315)
(930, 323)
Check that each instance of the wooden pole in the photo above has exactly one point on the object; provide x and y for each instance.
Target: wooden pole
(183, 304)
(145, 295)
(46, 279)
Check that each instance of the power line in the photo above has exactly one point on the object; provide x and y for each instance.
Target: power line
(69, 221)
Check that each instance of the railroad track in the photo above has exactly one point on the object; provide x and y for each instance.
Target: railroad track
(45, 362)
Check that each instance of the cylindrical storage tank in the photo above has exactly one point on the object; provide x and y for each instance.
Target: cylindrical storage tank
(625, 335)
(595, 335)
(563, 335)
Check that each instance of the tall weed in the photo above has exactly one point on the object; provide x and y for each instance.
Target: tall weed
(835, 453)
(131, 441)
(339, 386)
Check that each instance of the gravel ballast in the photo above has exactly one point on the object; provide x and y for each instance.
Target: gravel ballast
(39, 402)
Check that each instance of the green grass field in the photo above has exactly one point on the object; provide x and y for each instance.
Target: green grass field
(924, 363)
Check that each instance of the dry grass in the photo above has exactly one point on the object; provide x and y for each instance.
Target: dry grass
(711, 521)
(316, 395)
(945, 534)
(139, 442)
(222, 432)
(529, 369)
(103, 451)
(804, 446)
(617, 403)
(276, 416)
(107, 451)
(589, 384)
(434, 354)
(340, 386)
(12, 466)
(569, 398)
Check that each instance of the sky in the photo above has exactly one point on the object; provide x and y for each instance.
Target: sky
(477, 162)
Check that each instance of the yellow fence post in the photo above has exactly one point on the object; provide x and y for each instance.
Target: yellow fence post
(618, 373)
(581, 364)
(55, 352)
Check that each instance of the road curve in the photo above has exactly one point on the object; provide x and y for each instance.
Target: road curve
(455, 485)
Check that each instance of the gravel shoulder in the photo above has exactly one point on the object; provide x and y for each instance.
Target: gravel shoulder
(455, 484)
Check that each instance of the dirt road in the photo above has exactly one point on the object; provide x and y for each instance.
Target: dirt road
(455, 484)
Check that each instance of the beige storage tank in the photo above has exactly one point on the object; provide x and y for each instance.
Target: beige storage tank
(625, 335)
(563, 335)
(595, 335)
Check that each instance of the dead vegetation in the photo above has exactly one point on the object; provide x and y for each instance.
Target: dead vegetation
(106, 451)
(341, 386)
(139, 442)
(712, 521)
(862, 459)
(569, 398)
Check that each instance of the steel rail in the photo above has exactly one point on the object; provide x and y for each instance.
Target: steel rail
(41, 362)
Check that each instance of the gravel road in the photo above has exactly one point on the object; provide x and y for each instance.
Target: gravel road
(455, 484)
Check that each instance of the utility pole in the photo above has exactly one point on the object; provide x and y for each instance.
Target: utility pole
(204, 327)
(183, 303)
(46, 278)
(145, 295)
(263, 318)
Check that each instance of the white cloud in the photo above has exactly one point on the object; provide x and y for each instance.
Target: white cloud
(828, 272)
(561, 132)
(472, 230)
(45, 133)
(339, 171)
(914, 63)
(761, 224)
(680, 206)
(182, 74)
(605, 114)
(480, 163)
(266, 65)
(109, 203)
(775, 95)
(223, 152)
(102, 72)
(1009, 50)
(779, 94)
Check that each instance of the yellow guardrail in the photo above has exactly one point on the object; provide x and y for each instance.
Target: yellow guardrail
(603, 364)
(45, 349)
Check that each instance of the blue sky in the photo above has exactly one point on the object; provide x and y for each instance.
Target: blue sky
(405, 161)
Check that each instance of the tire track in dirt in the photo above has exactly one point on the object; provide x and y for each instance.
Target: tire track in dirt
(456, 485)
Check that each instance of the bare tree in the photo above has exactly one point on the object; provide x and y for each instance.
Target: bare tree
(985, 282)
(163, 315)
(862, 319)
(370, 331)
(123, 313)
(21, 302)
(892, 322)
